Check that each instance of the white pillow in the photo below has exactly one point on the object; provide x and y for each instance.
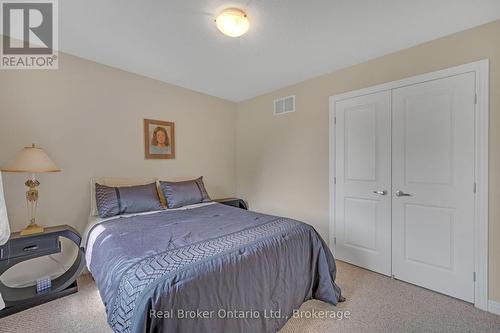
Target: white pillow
(114, 182)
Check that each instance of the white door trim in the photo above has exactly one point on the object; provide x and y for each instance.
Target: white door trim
(481, 69)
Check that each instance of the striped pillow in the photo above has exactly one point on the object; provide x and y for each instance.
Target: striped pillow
(179, 194)
(112, 201)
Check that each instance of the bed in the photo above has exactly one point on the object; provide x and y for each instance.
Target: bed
(206, 268)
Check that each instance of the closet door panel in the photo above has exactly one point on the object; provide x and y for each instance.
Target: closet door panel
(433, 182)
(363, 169)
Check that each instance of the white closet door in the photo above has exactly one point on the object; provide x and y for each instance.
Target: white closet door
(433, 168)
(363, 181)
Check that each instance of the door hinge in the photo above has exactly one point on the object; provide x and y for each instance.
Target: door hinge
(475, 188)
(335, 180)
(334, 240)
(335, 120)
(475, 99)
(474, 276)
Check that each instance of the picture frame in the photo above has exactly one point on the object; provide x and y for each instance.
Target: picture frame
(159, 139)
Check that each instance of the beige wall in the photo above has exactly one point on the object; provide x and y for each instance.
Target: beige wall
(282, 162)
(89, 118)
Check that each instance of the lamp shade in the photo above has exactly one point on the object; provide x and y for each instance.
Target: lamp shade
(31, 160)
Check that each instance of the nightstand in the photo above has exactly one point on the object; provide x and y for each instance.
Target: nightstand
(235, 202)
(21, 248)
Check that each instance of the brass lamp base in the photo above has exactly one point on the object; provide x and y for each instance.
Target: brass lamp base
(31, 201)
(31, 229)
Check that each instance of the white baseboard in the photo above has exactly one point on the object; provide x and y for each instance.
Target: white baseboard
(494, 307)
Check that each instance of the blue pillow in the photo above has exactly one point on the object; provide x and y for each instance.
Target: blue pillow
(179, 194)
(113, 201)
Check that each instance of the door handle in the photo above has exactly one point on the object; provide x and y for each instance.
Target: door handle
(400, 193)
(383, 192)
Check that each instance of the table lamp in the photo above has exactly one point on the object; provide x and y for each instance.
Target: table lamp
(31, 160)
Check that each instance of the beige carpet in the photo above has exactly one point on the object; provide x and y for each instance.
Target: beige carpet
(376, 304)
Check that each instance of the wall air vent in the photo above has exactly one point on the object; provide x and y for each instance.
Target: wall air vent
(284, 105)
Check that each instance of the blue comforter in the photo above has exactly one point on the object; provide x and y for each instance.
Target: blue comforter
(209, 269)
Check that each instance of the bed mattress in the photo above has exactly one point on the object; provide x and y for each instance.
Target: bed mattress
(212, 268)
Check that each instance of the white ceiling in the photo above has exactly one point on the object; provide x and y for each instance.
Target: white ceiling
(289, 40)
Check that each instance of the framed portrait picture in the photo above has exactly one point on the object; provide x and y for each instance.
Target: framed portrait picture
(159, 139)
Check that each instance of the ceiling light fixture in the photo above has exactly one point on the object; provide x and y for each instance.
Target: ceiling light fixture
(232, 22)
